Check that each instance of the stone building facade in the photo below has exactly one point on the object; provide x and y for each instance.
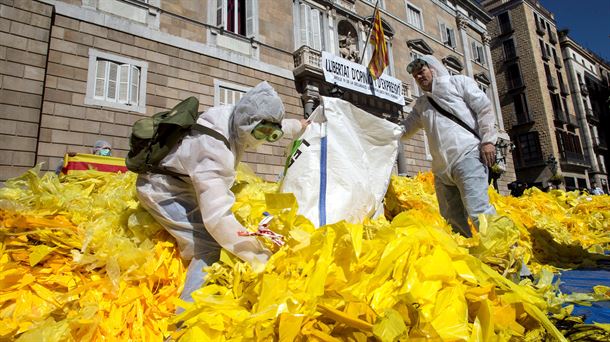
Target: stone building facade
(75, 71)
(535, 95)
(588, 79)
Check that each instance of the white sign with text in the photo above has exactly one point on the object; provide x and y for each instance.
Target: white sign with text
(356, 77)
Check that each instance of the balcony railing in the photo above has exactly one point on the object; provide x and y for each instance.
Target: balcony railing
(574, 158)
(591, 115)
(601, 144)
(307, 59)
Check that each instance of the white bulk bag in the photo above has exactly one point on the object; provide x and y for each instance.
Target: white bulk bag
(339, 169)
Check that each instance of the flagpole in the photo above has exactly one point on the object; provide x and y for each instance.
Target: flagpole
(366, 43)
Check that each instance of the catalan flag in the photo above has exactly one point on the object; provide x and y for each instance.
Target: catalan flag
(83, 162)
(380, 58)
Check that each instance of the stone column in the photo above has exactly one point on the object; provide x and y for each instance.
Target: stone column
(495, 99)
(462, 23)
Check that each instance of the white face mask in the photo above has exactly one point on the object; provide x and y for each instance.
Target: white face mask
(104, 152)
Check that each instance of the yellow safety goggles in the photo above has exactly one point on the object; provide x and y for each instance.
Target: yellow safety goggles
(269, 131)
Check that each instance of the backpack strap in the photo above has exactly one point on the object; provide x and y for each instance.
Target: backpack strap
(199, 128)
(212, 133)
(452, 117)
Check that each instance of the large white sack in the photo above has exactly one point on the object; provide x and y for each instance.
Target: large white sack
(339, 169)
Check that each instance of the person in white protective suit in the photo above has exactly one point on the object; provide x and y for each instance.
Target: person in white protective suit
(459, 158)
(196, 209)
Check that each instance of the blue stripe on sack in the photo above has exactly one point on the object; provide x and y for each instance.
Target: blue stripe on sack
(322, 204)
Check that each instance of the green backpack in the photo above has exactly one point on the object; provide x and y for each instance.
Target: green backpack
(154, 137)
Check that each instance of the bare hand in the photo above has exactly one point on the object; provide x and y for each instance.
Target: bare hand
(304, 123)
(488, 154)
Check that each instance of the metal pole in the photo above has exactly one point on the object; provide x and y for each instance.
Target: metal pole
(366, 43)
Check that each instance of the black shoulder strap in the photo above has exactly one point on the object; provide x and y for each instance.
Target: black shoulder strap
(453, 117)
(199, 128)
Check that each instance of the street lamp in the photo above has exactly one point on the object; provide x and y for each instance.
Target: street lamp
(504, 146)
(552, 163)
(556, 177)
(336, 92)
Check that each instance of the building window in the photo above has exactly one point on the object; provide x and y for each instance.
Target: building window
(521, 111)
(414, 17)
(557, 109)
(116, 81)
(310, 26)
(509, 49)
(564, 101)
(543, 50)
(228, 93)
(513, 76)
(236, 16)
(478, 53)
(550, 80)
(448, 35)
(504, 22)
(569, 145)
(527, 149)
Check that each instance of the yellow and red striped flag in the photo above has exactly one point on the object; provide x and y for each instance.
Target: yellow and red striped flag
(380, 59)
(83, 162)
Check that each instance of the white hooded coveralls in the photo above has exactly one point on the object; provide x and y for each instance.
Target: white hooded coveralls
(196, 209)
(460, 176)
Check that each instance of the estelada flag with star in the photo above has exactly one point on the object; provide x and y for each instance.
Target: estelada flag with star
(380, 59)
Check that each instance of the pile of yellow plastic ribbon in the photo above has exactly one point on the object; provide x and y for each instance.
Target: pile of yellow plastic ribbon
(82, 261)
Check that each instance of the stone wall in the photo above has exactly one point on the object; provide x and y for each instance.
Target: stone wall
(24, 37)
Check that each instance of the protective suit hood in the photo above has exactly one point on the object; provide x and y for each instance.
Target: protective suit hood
(435, 65)
(260, 103)
(99, 145)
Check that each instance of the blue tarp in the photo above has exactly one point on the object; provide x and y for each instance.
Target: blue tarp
(582, 281)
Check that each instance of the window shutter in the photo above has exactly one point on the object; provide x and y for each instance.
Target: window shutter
(444, 37)
(100, 78)
(315, 29)
(473, 47)
(221, 13)
(481, 55)
(308, 38)
(452, 38)
(113, 74)
(249, 18)
(135, 85)
(123, 83)
(304, 24)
